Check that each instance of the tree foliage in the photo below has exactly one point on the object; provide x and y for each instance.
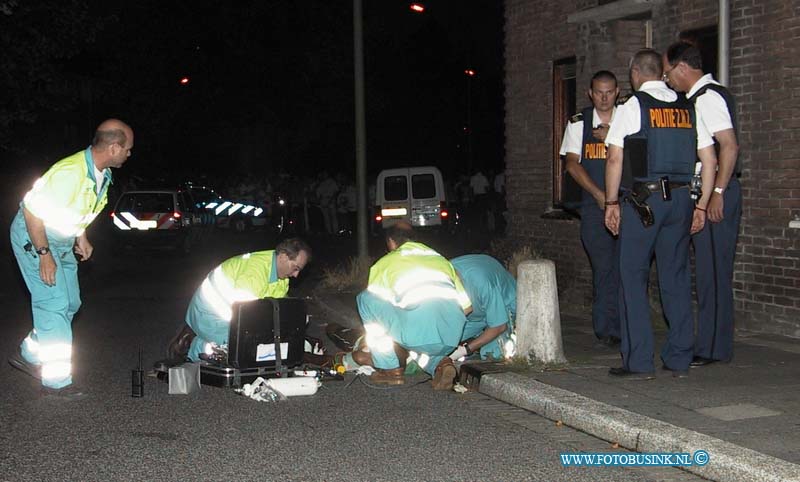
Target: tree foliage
(36, 38)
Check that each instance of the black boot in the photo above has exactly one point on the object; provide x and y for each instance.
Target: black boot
(178, 347)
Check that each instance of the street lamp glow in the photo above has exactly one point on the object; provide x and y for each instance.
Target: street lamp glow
(417, 7)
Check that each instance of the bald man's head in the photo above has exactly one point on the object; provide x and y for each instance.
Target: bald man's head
(112, 143)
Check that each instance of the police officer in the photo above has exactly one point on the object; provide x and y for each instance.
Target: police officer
(493, 293)
(585, 151)
(660, 137)
(414, 299)
(715, 244)
(247, 277)
(49, 226)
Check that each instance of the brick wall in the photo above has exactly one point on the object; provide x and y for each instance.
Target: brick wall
(764, 68)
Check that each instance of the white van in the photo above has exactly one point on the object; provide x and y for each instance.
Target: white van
(414, 194)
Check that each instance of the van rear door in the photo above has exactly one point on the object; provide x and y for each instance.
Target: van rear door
(427, 195)
(393, 196)
(413, 194)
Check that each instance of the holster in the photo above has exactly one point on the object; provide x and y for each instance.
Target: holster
(637, 198)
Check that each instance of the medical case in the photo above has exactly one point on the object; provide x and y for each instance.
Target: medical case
(266, 339)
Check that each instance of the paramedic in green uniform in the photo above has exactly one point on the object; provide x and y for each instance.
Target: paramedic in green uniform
(415, 300)
(49, 226)
(493, 293)
(247, 277)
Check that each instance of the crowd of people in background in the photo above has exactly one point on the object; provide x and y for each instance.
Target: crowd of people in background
(481, 200)
(328, 203)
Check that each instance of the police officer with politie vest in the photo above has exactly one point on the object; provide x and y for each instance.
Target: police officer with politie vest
(585, 151)
(652, 148)
(715, 244)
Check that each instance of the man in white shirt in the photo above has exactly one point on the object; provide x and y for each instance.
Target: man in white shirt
(326, 191)
(660, 136)
(585, 151)
(479, 186)
(715, 244)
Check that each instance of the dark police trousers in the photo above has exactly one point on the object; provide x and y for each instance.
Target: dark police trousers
(714, 249)
(603, 252)
(668, 238)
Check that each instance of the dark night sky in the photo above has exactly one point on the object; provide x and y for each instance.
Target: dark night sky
(271, 83)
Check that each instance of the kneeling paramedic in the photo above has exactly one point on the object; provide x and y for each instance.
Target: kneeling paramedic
(493, 293)
(247, 277)
(414, 306)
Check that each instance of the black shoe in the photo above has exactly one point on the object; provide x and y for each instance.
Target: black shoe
(700, 361)
(178, 347)
(67, 394)
(17, 361)
(612, 341)
(676, 373)
(607, 342)
(622, 372)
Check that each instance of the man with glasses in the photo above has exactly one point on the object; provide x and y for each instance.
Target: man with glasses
(585, 151)
(49, 227)
(247, 277)
(715, 244)
(659, 136)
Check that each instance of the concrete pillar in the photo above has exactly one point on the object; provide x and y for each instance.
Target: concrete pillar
(538, 318)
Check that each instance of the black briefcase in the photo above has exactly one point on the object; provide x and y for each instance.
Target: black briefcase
(266, 339)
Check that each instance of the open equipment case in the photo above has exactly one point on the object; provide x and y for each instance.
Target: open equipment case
(266, 339)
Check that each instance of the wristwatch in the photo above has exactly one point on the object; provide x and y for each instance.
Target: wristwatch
(466, 347)
(719, 190)
(43, 250)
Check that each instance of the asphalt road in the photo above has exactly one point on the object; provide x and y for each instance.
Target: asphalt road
(353, 433)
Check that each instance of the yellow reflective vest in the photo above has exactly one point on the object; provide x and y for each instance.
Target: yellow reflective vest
(66, 197)
(414, 273)
(252, 272)
(246, 277)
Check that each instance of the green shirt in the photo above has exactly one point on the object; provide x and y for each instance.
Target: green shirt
(66, 198)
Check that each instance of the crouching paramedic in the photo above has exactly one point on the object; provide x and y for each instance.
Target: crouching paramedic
(414, 301)
(247, 277)
(493, 293)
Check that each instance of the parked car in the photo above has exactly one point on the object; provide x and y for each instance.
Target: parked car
(157, 218)
(225, 213)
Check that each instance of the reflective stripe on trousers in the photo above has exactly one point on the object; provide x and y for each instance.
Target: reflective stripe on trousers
(50, 341)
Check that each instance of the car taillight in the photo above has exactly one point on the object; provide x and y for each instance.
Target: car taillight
(443, 210)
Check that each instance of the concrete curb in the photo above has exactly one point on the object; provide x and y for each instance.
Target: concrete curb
(637, 432)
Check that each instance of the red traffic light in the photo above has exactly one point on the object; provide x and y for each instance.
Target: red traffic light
(417, 7)
(184, 80)
(470, 72)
